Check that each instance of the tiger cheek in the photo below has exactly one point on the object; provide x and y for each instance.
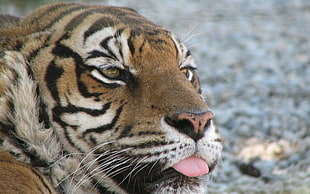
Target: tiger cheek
(196, 84)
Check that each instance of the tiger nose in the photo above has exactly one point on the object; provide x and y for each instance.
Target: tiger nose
(192, 124)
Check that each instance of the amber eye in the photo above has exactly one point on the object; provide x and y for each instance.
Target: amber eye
(111, 72)
(187, 72)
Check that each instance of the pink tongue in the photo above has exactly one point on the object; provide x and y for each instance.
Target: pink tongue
(192, 166)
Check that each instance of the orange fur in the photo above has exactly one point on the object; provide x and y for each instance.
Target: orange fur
(17, 177)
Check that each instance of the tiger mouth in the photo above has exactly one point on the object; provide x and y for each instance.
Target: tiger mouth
(170, 178)
(164, 175)
(171, 173)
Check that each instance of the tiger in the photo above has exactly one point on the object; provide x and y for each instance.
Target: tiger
(98, 99)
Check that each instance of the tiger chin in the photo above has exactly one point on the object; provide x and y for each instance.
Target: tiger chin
(97, 99)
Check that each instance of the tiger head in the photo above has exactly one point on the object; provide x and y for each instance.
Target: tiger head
(123, 98)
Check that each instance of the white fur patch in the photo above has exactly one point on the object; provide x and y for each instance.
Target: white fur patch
(84, 121)
(22, 93)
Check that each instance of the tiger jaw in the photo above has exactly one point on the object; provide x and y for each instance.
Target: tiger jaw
(152, 167)
(160, 174)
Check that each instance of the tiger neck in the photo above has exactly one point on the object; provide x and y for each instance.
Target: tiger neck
(24, 129)
(24, 133)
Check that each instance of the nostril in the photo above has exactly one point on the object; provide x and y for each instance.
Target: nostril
(184, 126)
(191, 124)
(208, 124)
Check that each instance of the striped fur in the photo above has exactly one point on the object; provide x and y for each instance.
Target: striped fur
(88, 97)
(17, 177)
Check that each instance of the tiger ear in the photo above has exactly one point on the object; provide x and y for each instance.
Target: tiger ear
(8, 21)
(37, 40)
(40, 35)
(14, 42)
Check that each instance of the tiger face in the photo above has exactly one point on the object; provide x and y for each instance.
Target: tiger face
(123, 99)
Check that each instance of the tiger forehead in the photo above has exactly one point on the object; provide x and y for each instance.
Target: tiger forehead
(109, 35)
(137, 29)
(155, 50)
(71, 15)
(131, 47)
(98, 28)
(131, 43)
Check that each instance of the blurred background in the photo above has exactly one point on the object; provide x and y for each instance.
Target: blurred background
(254, 64)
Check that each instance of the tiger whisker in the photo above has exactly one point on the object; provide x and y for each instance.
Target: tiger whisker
(135, 167)
(99, 170)
(188, 34)
(111, 173)
(71, 154)
(111, 157)
(85, 177)
(140, 166)
(83, 169)
(153, 166)
(86, 156)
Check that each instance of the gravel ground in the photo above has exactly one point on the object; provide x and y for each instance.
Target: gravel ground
(254, 64)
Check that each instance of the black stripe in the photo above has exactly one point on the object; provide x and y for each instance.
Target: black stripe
(154, 31)
(110, 86)
(56, 117)
(141, 47)
(150, 144)
(129, 18)
(53, 73)
(188, 53)
(43, 181)
(35, 52)
(133, 33)
(18, 45)
(120, 50)
(107, 126)
(34, 157)
(121, 12)
(105, 44)
(99, 24)
(101, 188)
(157, 41)
(96, 53)
(34, 171)
(43, 115)
(77, 20)
(66, 52)
(74, 109)
(7, 125)
(120, 46)
(126, 131)
(58, 111)
(7, 128)
(49, 11)
(135, 21)
(127, 15)
(84, 90)
(64, 13)
(141, 133)
(131, 46)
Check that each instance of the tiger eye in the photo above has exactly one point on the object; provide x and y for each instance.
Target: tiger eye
(185, 71)
(111, 72)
